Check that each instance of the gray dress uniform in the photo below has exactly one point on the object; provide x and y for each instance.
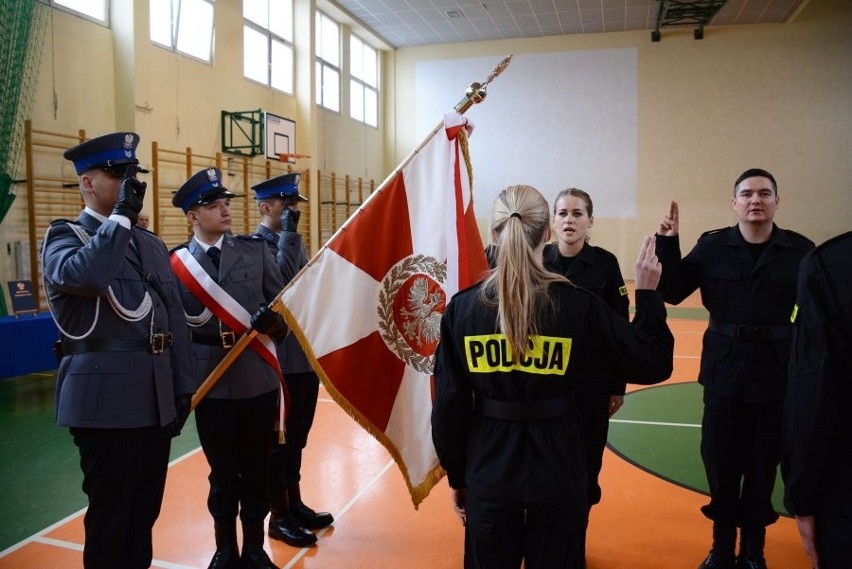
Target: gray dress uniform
(126, 358)
(247, 272)
(291, 518)
(235, 420)
(92, 287)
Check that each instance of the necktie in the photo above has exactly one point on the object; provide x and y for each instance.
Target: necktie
(213, 253)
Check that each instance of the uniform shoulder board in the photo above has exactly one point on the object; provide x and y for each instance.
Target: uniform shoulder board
(713, 231)
(251, 237)
(56, 222)
(181, 246)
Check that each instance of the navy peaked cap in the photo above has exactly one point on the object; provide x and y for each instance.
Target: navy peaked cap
(203, 187)
(286, 186)
(112, 151)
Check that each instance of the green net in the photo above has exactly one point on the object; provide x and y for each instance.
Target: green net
(23, 24)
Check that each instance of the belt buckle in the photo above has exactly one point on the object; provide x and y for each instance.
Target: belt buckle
(750, 333)
(228, 339)
(159, 342)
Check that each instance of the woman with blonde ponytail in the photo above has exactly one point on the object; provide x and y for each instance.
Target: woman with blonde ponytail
(504, 422)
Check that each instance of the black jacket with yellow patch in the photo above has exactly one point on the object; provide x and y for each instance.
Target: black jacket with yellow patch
(535, 460)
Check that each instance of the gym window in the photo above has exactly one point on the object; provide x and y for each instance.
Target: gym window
(363, 82)
(184, 26)
(327, 35)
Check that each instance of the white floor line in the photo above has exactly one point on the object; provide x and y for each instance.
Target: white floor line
(655, 423)
(39, 537)
(339, 515)
(77, 547)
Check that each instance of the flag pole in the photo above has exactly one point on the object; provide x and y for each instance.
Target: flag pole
(474, 94)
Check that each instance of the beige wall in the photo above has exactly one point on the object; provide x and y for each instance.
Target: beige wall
(775, 96)
(104, 79)
(772, 96)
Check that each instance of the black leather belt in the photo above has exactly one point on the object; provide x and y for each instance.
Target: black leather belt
(156, 344)
(525, 410)
(750, 333)
(226, 339)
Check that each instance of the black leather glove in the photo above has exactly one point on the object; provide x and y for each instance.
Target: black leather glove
(290, 219)
(267, 321)
(183, 404)
(131, 193)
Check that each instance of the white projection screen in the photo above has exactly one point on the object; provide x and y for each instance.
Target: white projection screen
(550, 120)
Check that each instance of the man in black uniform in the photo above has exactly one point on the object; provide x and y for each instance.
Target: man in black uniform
(291, 520)
(817, 437)
(747, 276)
(224, 279)
(124, 382)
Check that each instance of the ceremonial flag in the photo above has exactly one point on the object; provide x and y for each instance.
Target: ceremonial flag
(367, 308)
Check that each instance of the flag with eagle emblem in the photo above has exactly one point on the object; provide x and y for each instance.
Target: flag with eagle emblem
(367, 308)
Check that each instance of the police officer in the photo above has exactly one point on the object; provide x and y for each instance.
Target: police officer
(504, 424)
(224, 279)
(278, 201)
(817, 439)
(747, 276)
(596, 270)
(124, 383)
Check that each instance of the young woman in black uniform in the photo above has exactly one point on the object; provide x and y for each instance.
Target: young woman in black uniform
(504, 422)
(596, 270)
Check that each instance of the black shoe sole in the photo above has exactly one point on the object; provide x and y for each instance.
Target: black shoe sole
(292, 542)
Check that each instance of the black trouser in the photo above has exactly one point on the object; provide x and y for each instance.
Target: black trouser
(285, 461)
(501, 534)
(235, 438)
(741, 448)
(832, 540)
(593, 408)
(124, 476)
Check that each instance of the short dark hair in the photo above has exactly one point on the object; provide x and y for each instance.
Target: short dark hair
(756, 173)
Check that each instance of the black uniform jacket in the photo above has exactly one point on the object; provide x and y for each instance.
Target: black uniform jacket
(88, 286)
(247, 272)
(543, 459)
(818, 439)
(291, 255)
(737, 291)
(596, 270)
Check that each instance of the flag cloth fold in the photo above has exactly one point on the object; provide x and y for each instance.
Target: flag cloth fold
(367, 308)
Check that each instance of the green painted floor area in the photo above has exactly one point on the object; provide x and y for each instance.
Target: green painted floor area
(658, 429)
(40, 476)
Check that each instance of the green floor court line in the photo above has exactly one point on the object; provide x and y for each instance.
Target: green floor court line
(669, 452)
(40, 476)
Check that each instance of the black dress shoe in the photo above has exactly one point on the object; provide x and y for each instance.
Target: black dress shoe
(225, 559)
(716, 560)
(751, 562)
(256, 559)
(309, 518)
(288, 530)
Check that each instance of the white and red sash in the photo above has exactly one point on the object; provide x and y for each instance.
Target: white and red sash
(226, 309)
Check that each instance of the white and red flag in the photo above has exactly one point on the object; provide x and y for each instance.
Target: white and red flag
(367, 308)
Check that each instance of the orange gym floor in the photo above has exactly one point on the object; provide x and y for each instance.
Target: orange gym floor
(642, 522)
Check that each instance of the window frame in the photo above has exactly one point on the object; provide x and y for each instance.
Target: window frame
(73, 11)
(271, 39)
(324, 66)
(361, 84)
(174, 25)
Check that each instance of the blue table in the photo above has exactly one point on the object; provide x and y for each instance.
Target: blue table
(26, 344)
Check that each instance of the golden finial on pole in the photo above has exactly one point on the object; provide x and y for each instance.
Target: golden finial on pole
(476, 92)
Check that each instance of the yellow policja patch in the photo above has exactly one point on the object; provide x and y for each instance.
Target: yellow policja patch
(491, 353)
